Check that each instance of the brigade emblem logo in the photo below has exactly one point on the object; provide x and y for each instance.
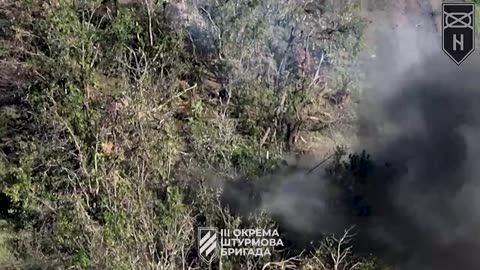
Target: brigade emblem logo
(458, 33)
(207, 243)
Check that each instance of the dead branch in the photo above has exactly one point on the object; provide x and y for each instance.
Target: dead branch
(290, 263)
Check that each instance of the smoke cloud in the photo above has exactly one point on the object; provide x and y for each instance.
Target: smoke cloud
(424, 206)
(423, 118)
(420, 122)
(427, 216)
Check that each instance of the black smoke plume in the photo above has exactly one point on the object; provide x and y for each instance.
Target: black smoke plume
(414, 195)
(426, 207)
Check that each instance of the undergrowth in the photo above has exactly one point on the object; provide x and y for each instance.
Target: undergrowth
(110, 146)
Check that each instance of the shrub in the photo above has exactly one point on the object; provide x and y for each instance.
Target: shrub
(110, 142)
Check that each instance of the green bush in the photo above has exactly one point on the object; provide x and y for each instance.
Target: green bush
(109, 149)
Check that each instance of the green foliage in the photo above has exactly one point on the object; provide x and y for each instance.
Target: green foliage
(6, 256)
(107, 158)
(477, 14)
